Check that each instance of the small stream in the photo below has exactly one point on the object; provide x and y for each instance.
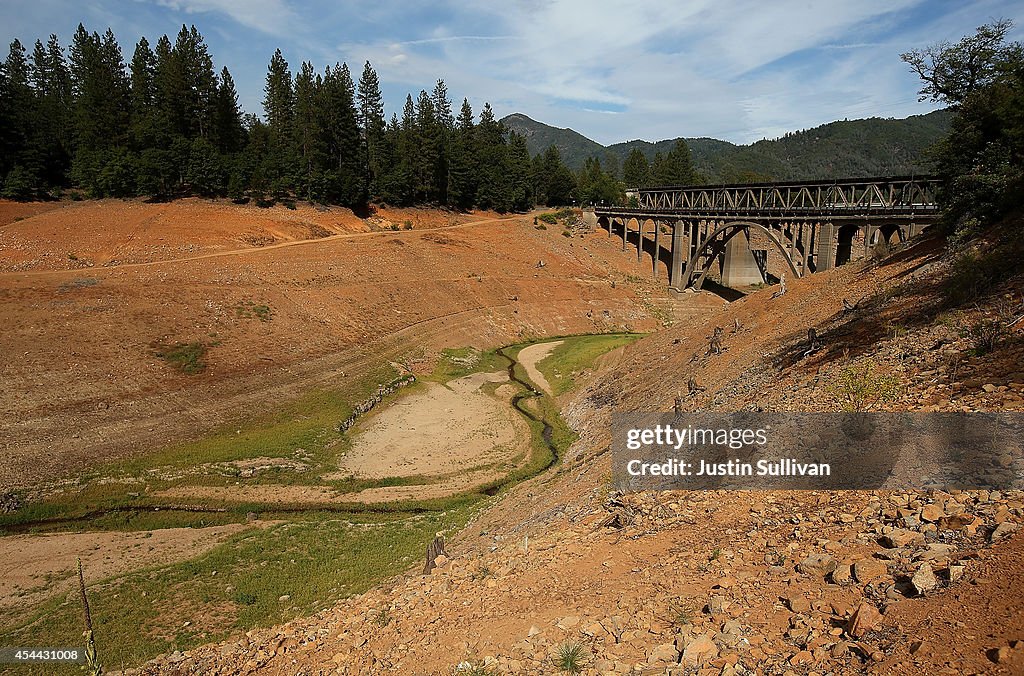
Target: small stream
(46, 524)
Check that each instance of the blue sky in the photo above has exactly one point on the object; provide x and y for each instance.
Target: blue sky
(739, 70)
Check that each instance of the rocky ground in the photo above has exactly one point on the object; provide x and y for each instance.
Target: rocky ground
(682, 583)
(799, 582)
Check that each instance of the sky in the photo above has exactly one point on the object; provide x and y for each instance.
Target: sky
(738, 70)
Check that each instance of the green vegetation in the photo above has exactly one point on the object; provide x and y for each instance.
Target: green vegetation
(456, 363)
(472, 668)
(247, 309)
(577, 354)
(870, 147)
(268, 574)
(168, 124)
(186, 357)
(860, 388)
(679, 613)
(981, 79)
(985, 334)
(259, 577)
(570, 657)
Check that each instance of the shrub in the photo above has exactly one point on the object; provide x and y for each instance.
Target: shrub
(186, 357)
(570, 657)
(859, 388)
(244, 598)
(679, 613)
(984, 334)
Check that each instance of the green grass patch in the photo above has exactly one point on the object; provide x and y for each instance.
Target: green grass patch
(247, 309)
(186, 357)
(236, 586)
(577, 354)
(460, 362)
(304, 430)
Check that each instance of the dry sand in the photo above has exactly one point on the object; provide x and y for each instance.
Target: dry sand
(456, 433)
(36, 567)
(531, 355)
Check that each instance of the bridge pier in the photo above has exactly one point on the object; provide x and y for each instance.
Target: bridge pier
(739, 267)
(826, 254)
(675, 271)
(657, 251)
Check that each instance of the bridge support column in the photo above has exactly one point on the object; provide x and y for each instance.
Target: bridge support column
(806, 233)
(679, 256)
(654, 258)
(739, 267)
(826, 258)
(625, 226)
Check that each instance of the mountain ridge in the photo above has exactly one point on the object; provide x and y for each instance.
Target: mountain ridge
(843, 148)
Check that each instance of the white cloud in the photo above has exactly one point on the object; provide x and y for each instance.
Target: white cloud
(268, 16)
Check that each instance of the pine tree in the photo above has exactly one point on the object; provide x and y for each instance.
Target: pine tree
(597, 186)
(144, 118)
(20, 163)
(445, 132)
(676, 168)
(228, 131)
(50, 142)
(100, 90)
(462, 174)
(306, 128)
(403, 175)
(345, 175)
(517, 173)
(491, 186)
(636, 170)
(279, 110)
(560, 184)
(429, 139)
(371, 122)
(195, 85)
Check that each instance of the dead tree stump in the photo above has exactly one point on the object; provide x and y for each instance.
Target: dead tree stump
(434, 550)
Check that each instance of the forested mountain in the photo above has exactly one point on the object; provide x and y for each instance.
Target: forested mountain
(870, 147)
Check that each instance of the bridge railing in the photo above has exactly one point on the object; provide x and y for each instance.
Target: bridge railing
(896, 195)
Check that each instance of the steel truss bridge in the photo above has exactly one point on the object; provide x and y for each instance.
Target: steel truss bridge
(751, 233)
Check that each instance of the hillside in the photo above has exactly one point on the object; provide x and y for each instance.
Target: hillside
(848, 148)
(94, 289)
(720, 582)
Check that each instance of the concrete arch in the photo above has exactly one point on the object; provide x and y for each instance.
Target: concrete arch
(735, 227)
(844, 243)
(890, 233)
